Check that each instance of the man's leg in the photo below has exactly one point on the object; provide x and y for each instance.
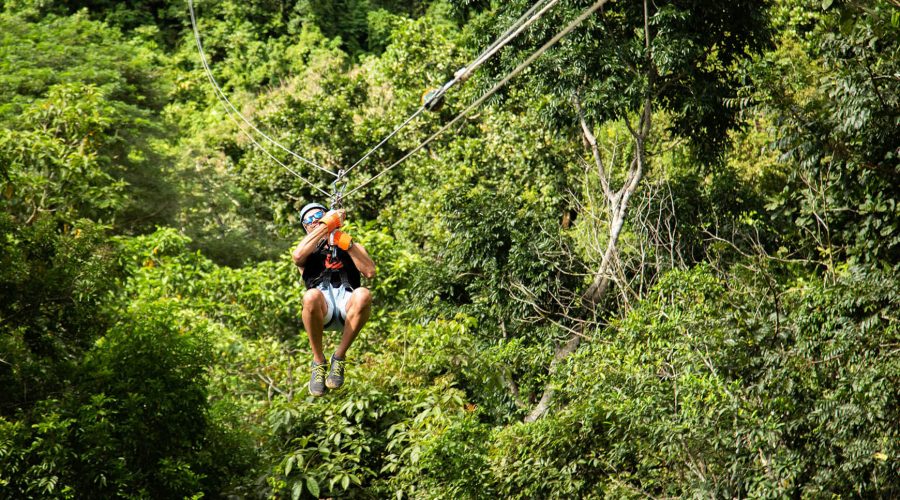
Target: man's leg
(358, 309)
(359, 305)
(314, 310)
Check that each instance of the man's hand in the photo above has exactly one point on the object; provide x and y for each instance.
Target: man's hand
(334, 219)
(342, 240)
(317, 233)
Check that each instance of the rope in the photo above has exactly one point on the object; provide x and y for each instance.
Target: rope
(500, 43)
(233, 119)
(387, 138)
(509, 30)
(523, 22)
(221, 94)
(518, 69)
(276, 160)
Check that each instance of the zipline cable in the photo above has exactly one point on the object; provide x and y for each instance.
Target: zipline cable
(524, 21)
(511, 33)
(221, 94)
(235, 121)
(512, 27)
(518, 69)
(276, 160)
(386, 138)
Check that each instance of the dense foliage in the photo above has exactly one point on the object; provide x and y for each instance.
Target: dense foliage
(748, 346)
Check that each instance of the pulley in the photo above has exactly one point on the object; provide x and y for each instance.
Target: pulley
(433, 99)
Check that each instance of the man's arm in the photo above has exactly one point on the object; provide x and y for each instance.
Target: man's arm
(308, 245)
(363, 262)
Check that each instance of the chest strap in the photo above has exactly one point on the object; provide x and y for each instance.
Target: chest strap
(334, 265)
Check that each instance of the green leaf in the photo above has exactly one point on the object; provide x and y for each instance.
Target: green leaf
(345, 482)
(826, 4)
(312, 486)
(297, 490)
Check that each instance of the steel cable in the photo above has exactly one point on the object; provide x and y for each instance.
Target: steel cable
(228, 105)
(518, 69)
(531, 16)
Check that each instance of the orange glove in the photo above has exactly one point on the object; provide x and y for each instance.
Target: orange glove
(341, 240)
(332, 220)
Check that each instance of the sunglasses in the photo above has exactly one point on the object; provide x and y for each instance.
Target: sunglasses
(314, 217)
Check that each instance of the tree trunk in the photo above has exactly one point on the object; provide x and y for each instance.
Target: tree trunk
(618, 204)
(600, 285)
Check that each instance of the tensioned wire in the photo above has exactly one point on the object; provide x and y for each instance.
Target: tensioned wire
(229, 108)
(514, 30)
(528, 18)
(524, 21)
(518, 69)
(511, 33)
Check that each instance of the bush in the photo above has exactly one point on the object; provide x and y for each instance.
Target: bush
(699, 391)
(135, 423)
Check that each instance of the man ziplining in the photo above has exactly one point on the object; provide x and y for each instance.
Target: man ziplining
(331, 264)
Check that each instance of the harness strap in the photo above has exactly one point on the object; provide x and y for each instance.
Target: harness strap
(328, 274)
(332, 265)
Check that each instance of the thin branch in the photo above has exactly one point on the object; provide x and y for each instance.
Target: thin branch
(592, 142)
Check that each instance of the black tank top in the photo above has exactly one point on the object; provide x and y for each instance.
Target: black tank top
(317, 264)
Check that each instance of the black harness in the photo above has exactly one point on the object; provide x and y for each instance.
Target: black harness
(333, 266)
(327, 275)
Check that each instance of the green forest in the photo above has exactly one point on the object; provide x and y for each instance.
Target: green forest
(656, 255)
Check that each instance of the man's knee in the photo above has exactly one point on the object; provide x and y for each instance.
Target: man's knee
(313, 300)
(361, 297)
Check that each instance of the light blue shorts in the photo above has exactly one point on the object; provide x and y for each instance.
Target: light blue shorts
(337, 298)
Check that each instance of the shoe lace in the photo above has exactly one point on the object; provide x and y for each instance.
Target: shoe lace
(319, 373)
(337, 367)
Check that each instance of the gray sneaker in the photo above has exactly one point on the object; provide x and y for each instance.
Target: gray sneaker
(317, 380)
(336, 375)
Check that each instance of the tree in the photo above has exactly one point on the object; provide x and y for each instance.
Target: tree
(832, 89)
(81, 123)
(633, 61)
(54, 295)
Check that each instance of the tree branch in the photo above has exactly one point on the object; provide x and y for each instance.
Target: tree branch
(592, 142)
(544, 404)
